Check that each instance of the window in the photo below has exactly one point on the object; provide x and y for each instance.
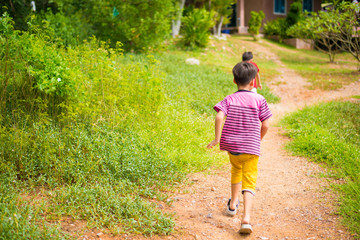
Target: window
(279, 6)
(308, 5)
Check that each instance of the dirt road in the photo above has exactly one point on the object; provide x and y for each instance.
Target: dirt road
(292, 201)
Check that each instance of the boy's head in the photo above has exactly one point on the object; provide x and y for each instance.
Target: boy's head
(247, 56)
(243, 73)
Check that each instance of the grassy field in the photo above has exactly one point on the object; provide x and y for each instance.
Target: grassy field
(330, 133)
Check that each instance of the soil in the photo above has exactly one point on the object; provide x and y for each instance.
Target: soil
(292, 200)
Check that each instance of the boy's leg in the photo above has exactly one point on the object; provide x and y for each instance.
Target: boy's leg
(236, 178)
(250, 172)
(248, 201)
(235, 189)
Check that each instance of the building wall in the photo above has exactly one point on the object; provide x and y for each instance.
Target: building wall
(267, 6)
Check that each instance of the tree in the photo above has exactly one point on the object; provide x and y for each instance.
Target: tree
(176, 23)
(140, 25)
(338, 28)
(222, 10)
(255, 23)
(317, 28)
(346, 33)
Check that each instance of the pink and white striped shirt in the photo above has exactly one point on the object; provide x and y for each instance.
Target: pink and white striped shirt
(241, 132)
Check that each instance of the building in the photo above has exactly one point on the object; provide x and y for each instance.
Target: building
(272, 8)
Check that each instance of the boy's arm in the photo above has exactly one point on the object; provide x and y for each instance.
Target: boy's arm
(258, 80)
(218, 127)
(264, 127)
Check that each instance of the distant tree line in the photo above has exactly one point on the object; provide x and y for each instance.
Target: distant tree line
(140, 25)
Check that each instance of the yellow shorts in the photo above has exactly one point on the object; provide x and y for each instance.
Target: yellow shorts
(244, 168)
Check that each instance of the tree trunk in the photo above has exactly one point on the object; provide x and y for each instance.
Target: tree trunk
(219, 26)
(176, 24)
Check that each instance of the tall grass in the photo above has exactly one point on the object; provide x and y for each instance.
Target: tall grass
(97, 131)
(330, 133)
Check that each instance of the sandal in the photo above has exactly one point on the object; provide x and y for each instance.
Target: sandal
(230, 211)
(246, 229)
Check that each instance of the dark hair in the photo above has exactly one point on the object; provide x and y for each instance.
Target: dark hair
(247, 56)
(243, 73)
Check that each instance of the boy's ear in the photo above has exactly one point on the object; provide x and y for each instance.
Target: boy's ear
(234, 81)
(252, 82)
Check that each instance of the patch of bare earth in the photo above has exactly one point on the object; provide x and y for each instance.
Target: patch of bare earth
(292, 201)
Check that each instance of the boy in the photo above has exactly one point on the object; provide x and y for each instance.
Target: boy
(241, 136)
(248, 57)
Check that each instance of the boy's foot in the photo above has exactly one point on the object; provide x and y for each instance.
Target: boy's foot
(229, 211)
(245, 229)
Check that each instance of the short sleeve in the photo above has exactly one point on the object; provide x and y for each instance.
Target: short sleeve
(264, 112)
(222, 106)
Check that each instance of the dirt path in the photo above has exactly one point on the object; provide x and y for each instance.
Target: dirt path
(292, 202)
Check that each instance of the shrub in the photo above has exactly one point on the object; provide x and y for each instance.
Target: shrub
(139, 25)
(68, 30)
(276, 27)
(280, 26)
(295, 13)
(195, 28)
(255, 23)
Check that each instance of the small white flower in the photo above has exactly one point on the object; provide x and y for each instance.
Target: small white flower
(59, 79)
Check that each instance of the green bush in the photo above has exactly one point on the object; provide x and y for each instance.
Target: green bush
(139, 25)
(195, 28)
(280, 26)
(67, 30)
(295, 13)
(276, 27)
(255, 22)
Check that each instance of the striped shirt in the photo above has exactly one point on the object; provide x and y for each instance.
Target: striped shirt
(241, 132)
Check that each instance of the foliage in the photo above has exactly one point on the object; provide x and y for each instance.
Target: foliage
(195, 28)
(336, 3)
(280, 26)
(19, 10)
(255, 22)
(329, 133)
(295, 13)
(317, 28)
(346, 33)
(276, 27)
(139, 25)
(336, 29)
(55, 135)
(222, 10)
(68, 30)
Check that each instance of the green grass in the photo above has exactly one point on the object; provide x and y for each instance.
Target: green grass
(315, 67)
(330, 133)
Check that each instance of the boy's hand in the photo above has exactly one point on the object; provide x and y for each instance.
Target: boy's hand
(260, 86)
(213, 143)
